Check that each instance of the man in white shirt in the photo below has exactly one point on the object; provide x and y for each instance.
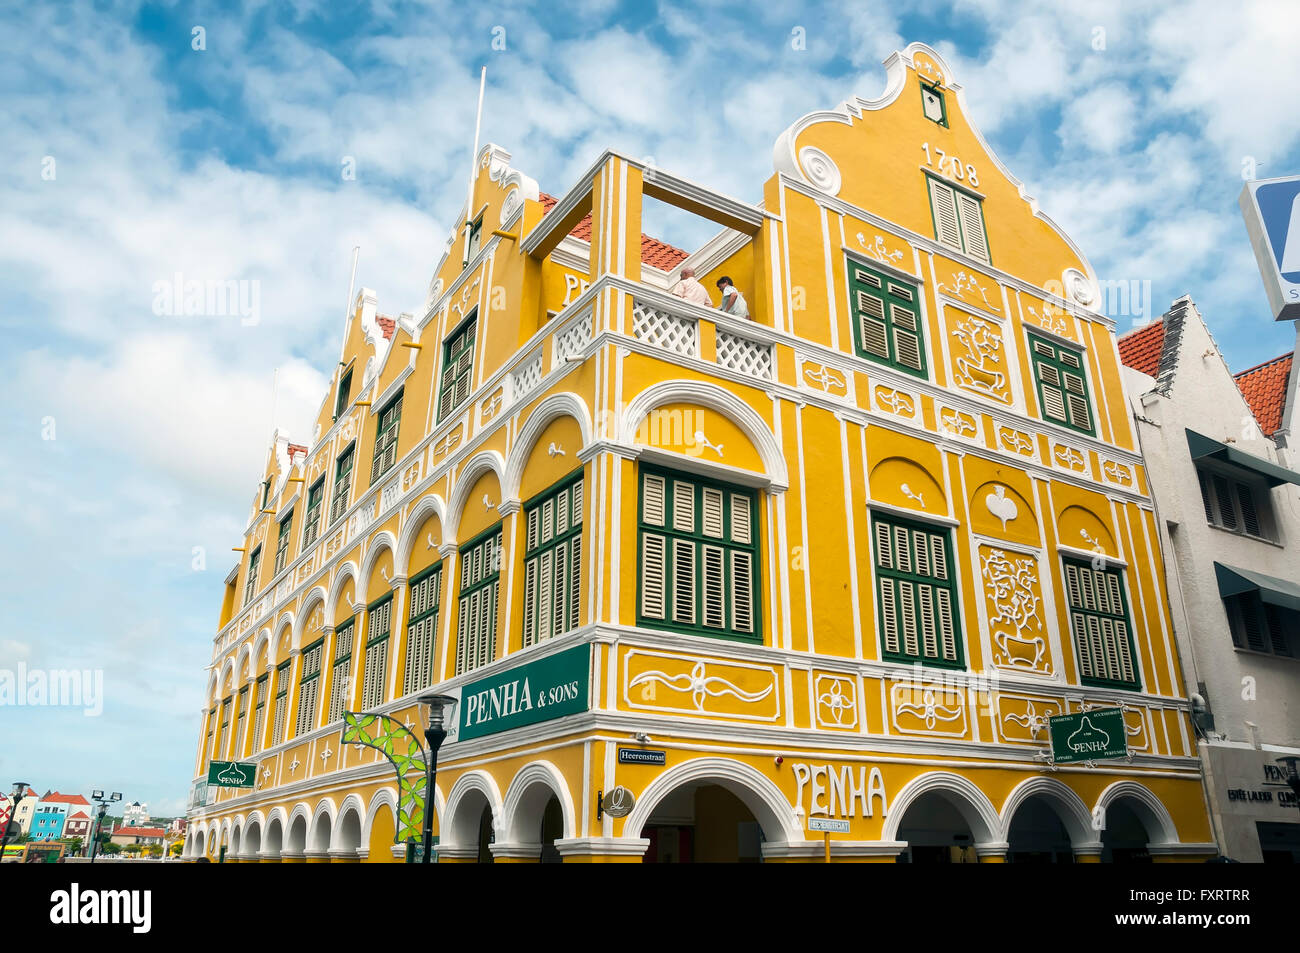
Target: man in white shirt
(733, 302)
(690, 289)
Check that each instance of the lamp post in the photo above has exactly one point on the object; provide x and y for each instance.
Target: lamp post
(98, 796)
(440, 709)
(20, 789)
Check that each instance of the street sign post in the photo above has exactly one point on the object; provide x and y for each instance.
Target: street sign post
(1271, 208)
(1088, 736)
(826, 825)
(232, 774)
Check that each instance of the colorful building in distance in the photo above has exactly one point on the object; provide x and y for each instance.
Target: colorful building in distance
(704, 584)
(50, 815)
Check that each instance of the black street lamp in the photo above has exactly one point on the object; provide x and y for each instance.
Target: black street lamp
(98, 796)
(440, 709)
(19, 795)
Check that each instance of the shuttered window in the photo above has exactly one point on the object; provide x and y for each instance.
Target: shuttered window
(282, 543)
(698, 556)
(259, 713)
(315, 501)
(386, 439)
(958, 219)
(342, 484)
(250, 581)
(480, 577)
(341, 672)
(379, 626)
(1233, 505)
(309, 688)
(553, 562)
(212, 726)
(281, 713)
(344, 395)
(1261, 626)
(1099, 624)
(916, 589)
(1062, 384)
(241, 713)
(224, 738)
(457, 364)
(887, 319)
(422, 630)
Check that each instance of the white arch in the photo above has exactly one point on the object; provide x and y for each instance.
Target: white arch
(250, 843)
(521, 803)
(375, 547)
(328, 813)
(381, 797)
(725, 403)
(968, 800)
(277, 828)
(351, 805)
(563, 404)
(245, 656)
(1069, 807)
(318, 595)
(214, 683)
(301, 812)
(1148, 808)
(430, 505)
(345, 571)
(458, 830)
(482, 462)
(763, 798)
(227, 675)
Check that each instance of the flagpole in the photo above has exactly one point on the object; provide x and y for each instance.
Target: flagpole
(473, 166)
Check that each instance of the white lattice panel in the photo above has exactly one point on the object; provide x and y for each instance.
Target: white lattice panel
(664, 329)
(573, 338)
(741, 354)
(526, 378)
(390, 495)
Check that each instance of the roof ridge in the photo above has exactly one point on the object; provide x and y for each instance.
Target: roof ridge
(1262, 364)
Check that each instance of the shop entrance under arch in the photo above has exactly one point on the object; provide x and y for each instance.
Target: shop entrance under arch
(702, 823)
(935, 832)
(1037, 835)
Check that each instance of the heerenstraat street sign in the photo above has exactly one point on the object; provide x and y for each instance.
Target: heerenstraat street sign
(1088, 736)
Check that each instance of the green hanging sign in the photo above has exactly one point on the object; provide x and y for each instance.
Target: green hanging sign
(232, 774)
(1088, 736)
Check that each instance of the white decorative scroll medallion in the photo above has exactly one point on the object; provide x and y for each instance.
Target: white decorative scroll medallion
(820, 170)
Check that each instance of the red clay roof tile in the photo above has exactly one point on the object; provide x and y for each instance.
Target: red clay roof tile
(388, 325)
(654, 252)
(1264, 387)
(1141, 349)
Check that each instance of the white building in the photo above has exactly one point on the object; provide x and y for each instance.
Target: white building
(1227, 497)
(136, 815)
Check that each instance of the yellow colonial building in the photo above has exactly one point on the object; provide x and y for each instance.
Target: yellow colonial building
(705, 584)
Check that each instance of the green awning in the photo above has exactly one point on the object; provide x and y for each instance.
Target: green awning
(1278, 592)
(1202, 446)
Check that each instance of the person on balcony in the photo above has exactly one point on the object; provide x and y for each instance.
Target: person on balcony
(733, 302)
(690, 289)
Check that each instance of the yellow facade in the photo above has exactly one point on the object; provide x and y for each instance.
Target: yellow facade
(913, 705)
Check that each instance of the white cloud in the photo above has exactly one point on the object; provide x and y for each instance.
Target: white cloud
(1101, 120)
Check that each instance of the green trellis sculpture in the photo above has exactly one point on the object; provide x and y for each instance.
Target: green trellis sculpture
(401, 747)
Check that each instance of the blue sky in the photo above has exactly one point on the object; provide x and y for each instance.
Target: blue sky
(226, 163)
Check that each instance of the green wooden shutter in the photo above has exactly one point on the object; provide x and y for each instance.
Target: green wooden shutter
(386, 439)
(1062, 386)
(888, 327)
(422, 630)
(943, 204)
(1099, 625)
(917, 593)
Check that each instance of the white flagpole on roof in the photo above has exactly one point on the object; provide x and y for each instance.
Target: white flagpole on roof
(473, 165)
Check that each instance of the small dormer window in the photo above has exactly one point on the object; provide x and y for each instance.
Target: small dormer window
(344, 395)
(475, 240)
(932, 104)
